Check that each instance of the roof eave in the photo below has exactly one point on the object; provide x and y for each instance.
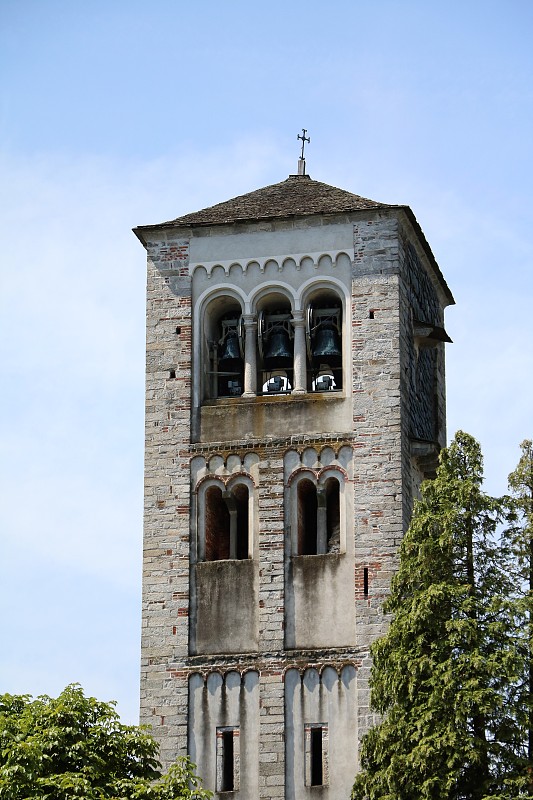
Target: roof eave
(243, 220)
(429, 253)
(172, 224)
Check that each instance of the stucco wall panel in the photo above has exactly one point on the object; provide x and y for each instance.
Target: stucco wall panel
(329, 699)
(227, 607)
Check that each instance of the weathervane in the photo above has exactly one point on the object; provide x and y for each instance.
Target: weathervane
(301, 160)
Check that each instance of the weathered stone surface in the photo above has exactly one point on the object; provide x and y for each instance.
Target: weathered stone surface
(265, 649)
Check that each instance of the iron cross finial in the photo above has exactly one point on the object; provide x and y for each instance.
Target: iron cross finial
(304, 139)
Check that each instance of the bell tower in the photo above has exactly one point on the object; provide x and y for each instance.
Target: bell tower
(295, 399)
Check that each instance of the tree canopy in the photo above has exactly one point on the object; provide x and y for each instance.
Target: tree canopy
(450, 677)
(75, 746)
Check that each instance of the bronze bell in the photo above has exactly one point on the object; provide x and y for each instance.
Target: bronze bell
(230, 356)
(326, 345)
(278, 350)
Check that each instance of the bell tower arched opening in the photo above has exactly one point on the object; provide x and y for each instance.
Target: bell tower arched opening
(275, 338)
(324, 341)
(223, 348)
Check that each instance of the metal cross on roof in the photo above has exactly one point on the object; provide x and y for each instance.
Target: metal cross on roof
(304, 139)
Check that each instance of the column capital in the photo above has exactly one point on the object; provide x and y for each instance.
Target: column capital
(249, 320)
(298, 319)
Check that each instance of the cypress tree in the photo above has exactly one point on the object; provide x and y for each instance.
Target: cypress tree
(442, 674)
(519, 539)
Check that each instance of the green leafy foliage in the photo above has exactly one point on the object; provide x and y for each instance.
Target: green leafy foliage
(75, 746)
(447, 677)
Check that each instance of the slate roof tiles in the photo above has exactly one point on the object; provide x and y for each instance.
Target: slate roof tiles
(296, 196)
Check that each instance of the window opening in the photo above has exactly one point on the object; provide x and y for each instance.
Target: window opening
(277, 384)
(333, 515)
(226, 523)
(227, 762)
(324, 347)
(307, 518)
(365, 581)
(316, 755)
(217, 525)
(317, 775)
(276, 351)
(240, 493)
(324, 383)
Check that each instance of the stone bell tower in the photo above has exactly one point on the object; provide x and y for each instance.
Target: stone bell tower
(294, 402)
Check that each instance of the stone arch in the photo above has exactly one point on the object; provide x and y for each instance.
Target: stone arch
(216, 317)
(325, 303)
(214, 523)
(306, 514)
(273, 304)
(225, 518)
(271, 293)
(318, 517)
(331, 484)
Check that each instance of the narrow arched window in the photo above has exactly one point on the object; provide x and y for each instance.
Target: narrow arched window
(226, 523)
(307, 505)
(217, 525)
(333, 515)
(241, 495)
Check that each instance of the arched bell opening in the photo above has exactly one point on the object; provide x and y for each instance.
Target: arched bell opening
(324, 342)
(224, 339)
(275, 336)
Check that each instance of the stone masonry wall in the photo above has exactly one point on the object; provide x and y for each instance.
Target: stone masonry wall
(380, 500)
(166, 514)
(422, 369)
(378, 523)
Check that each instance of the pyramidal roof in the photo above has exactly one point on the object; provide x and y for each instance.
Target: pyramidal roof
(298, 195)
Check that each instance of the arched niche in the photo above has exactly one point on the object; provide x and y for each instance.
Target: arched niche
(275, 341)
(325, 337)
(225, 520)
(222, 347)
(318, 516)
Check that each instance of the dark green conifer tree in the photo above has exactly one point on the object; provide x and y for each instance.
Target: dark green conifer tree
(518, 537)
(441, 675)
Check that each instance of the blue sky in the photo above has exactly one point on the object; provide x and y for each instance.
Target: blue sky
(116, 114)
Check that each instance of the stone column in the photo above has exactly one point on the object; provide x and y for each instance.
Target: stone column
(321, 520)
(300, 358)
(250, 357)
(232, 508)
